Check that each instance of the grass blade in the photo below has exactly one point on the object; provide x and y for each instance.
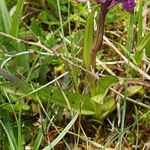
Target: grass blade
(62, 134)
(5, 20)
(16, 18)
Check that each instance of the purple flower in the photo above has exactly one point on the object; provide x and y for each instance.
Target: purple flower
(128, 5)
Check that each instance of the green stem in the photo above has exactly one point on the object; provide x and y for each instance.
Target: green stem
(96, 46)
(128, 54)
(98, 36)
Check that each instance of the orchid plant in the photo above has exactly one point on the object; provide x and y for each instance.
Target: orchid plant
(106, 5)
(95, 100)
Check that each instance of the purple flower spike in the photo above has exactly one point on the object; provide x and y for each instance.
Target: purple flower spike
(128, 5)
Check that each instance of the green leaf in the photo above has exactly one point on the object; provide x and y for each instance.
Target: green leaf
(16, 107)
(50, 39)
(5, 21)
(38, 140)
(6, 123)
(16, 18)
(138, 57)
(147, 46)
(102, 87)
(132, 90)
(103, 109)
(46, 93)
(54, 95)
(88, 40)
(144, 42)
(77, 102)
(103, 105)
(43, 16)
(140, 20)
(35, 28)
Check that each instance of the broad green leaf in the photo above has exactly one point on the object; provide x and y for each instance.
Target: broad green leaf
(88, 40)
(104, 105)
(102, 87)
(53, 94)
(49, 93)
(103, 109)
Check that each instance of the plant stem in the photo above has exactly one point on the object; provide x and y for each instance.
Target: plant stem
(128, 54)
(98, 36)
(96, 47)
